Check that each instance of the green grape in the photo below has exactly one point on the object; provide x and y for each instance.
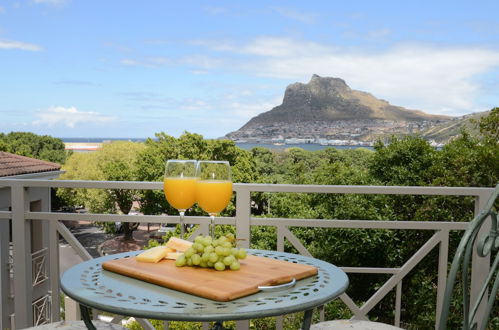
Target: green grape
(229, 260)
(196, 259)
(189, 252)
(227, 244)
(207, 241)
(241, 254)
(226, 251)
(205, 257)
(219, 253)
(180, 262)
(213, 257)
(198, 247)
(235, 265)
(219, 250)
(219, 266)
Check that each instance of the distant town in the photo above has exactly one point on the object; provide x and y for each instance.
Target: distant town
(339, 133)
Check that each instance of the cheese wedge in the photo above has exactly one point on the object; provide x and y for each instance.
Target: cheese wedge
(154, 255)
(173, 255)
(178, 244)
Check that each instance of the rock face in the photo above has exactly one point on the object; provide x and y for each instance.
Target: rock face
(326, 108)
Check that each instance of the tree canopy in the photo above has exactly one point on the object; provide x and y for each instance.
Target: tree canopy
(116, 161)
(42, 147)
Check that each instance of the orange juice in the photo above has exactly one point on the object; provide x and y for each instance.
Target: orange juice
(180, 192)
(213, 195)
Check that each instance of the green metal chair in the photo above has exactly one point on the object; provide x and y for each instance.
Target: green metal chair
(487, 246)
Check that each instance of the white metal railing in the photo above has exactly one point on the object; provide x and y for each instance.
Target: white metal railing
(243, 220)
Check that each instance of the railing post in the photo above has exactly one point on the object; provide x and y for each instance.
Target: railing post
(480, 266)
(243, 224)
(71, 310)
(21, 237)
(4, 274)
(443, 259)
(243, 217)
(54, 271)
(398, 303)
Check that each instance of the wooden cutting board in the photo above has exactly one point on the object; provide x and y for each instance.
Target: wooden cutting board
(212, 284)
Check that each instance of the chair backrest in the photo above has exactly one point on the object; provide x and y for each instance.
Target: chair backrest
(487, 246)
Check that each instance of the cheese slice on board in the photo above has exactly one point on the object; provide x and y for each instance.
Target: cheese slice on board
(178, 244)
(173, 255)
(154, 255)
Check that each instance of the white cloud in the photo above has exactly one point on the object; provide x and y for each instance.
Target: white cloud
(380, 34)
(51, 2)
(431, 78)
(295, 14)
(129, 62)
(11, 44)
(2, 10)
(197, 61)
(69, 117)
(215, 10)
(267, 46)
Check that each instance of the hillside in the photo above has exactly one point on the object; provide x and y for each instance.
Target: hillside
(327, 108)
(444, 132)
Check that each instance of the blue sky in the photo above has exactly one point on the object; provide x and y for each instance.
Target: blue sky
(87, 68)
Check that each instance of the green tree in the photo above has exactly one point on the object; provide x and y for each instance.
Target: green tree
(42, 147)
(403, 161)
(116, 161)
(489, 127)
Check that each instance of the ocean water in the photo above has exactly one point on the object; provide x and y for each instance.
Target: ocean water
(245, 146)
(305, 146)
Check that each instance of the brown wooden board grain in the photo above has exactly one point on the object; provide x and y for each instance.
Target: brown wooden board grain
(212, 284)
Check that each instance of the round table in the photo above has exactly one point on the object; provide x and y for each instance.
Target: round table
(95, 287)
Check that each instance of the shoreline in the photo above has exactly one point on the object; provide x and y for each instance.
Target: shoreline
(94, 146)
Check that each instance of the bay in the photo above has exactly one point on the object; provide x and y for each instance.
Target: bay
(244, 146)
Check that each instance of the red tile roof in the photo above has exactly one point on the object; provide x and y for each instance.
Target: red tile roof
(11, 164)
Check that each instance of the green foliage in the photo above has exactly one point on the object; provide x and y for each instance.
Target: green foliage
(489, 127)
(116, 161)
(42, 147)
(404, 161)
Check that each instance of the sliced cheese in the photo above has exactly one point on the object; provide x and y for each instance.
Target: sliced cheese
(154, 255)
(178, 244)
(173, 255)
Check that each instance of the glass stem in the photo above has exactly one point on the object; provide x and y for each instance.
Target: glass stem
(181, 222)
(212, 226)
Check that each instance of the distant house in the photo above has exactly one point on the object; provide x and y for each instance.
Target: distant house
(21, 168)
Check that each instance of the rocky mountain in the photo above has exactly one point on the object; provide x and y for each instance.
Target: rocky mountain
(328, 109)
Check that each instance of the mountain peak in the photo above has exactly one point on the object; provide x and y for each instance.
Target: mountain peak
(328, 101)
(334, 82)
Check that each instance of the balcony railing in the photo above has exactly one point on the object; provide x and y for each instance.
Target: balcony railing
(24, 269)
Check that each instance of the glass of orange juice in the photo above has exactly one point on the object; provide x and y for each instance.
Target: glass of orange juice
(213, 188)
(179, 186)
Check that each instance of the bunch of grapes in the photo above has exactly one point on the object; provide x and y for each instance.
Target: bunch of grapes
(219, 253)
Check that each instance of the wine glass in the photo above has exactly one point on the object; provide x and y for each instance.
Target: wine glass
(179, 186)
(213, 188)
